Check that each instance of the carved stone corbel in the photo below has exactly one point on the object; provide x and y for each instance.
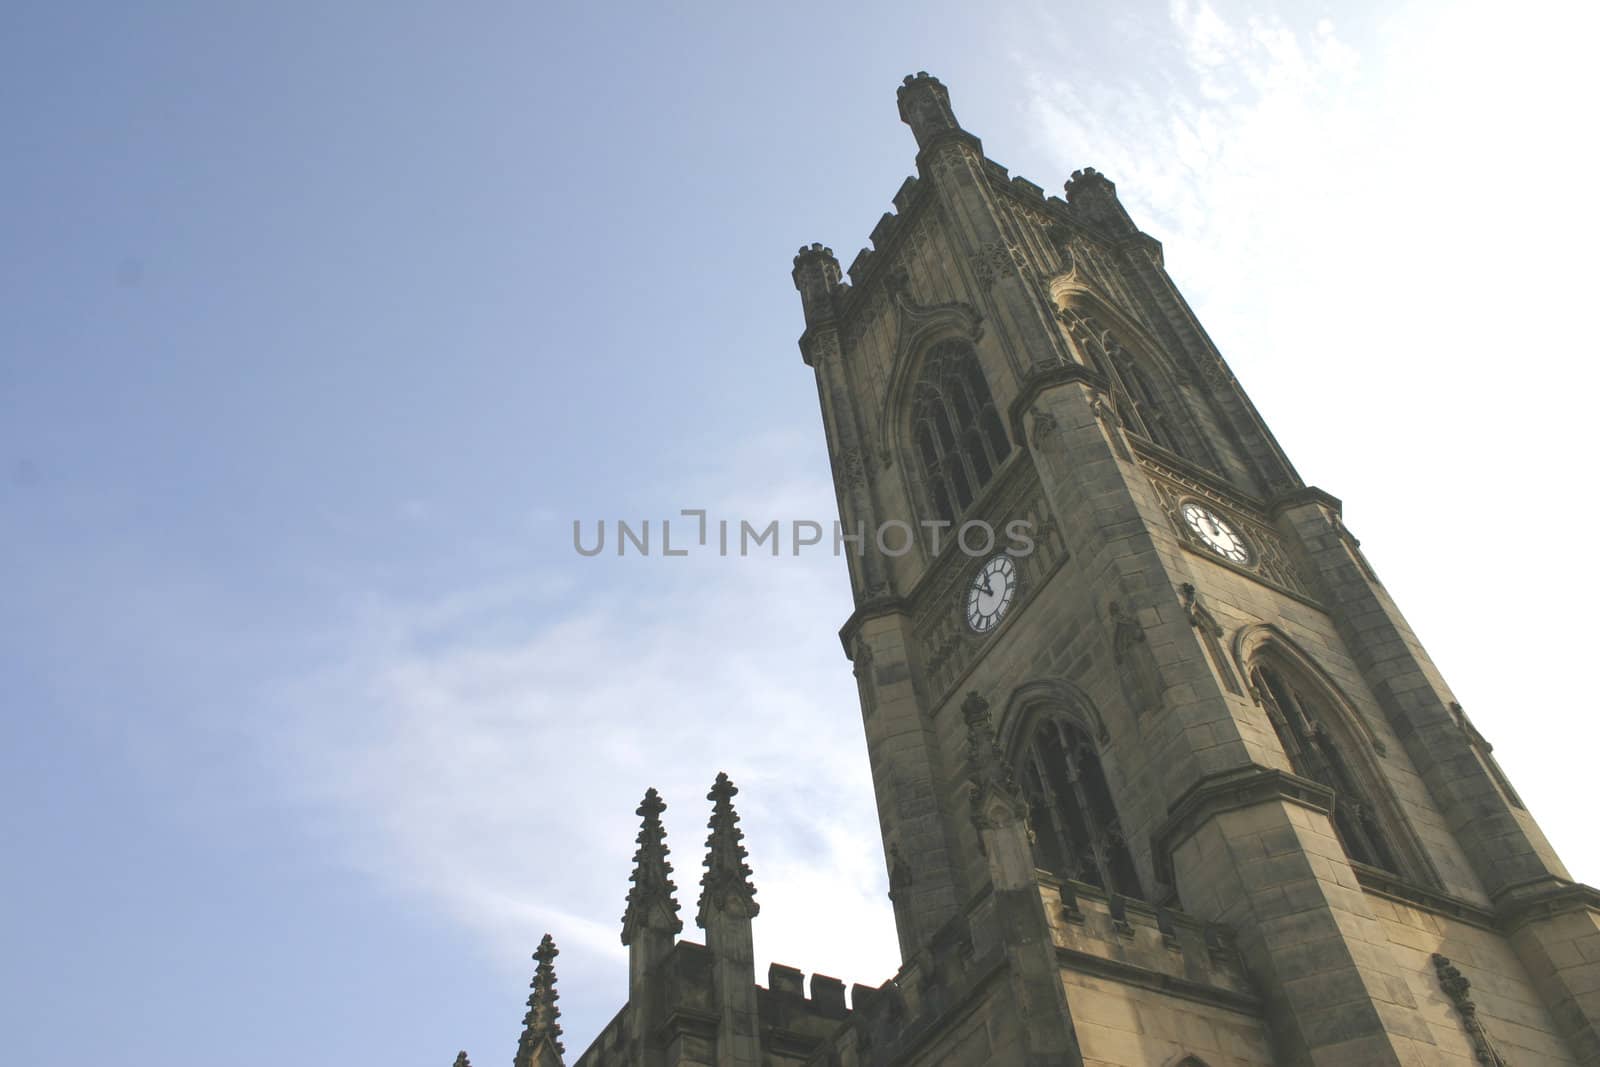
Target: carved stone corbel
(1044, 424)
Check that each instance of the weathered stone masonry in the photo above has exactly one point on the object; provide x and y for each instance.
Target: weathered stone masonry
(1189, 791)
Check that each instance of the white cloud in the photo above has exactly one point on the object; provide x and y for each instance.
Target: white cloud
(488, 761)
(1350, 231)
(1391, 246)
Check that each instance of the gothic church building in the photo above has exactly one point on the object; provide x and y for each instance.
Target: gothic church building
(1177, 788)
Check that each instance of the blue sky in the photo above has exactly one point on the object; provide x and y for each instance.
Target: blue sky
(319, 324)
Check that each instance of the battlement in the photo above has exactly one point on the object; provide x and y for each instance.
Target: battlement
(1090, 205)
(1150, 945)
(793, 1024)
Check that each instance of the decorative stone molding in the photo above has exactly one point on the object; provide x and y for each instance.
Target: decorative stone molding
(996, 799)
(945, 645)
(1037, 381)
(994, 261)
(849, 470)
(1485, 753)
(1519, 905)
(1382, 883)
(1248, 644)
(1457, 988)
(821, 349)
(1044, 424)
(1047, 696)
(1271, 562)
(1210, 635)
(1133, 975)
(861, 667)
(952, 157)
(918, 326)
(1228, 791)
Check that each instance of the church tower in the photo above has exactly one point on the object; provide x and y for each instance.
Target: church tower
(1163, 776)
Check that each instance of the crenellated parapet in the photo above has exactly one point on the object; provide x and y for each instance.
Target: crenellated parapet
(693, 1003)
(966, 230)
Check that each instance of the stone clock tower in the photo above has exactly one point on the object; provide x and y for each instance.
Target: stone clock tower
(1178, 784)
(1163, 776)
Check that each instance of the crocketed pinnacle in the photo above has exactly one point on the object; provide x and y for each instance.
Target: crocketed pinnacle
(539, 1026)
(726, 882)
(461, 1060)
(652, 899)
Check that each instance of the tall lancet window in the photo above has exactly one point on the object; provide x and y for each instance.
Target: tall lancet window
(1075, 828)
(957, 431)
(1138, 402)
(1146, 408)
(1298, 718)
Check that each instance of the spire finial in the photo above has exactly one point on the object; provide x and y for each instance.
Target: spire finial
(461, 1059)
(539, 1026)
(652, 899)
(726, 883)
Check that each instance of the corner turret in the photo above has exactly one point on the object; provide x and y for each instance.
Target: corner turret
(817, 276)
(925, 107)
(1092, 200)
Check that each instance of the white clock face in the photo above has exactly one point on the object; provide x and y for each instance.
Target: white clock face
(989, 597)
(1216, 533)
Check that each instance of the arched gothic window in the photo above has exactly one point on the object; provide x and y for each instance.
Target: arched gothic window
(1298, 718)
(1075, 827)
(957, 431)
(1134, 396)
(1146, 409)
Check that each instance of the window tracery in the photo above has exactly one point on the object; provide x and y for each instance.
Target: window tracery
(956, 429)
(1134, 395)
(1076, 831)
(1298, 718)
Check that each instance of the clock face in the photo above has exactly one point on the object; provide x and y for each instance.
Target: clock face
(1216, 533)
(989, 597)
